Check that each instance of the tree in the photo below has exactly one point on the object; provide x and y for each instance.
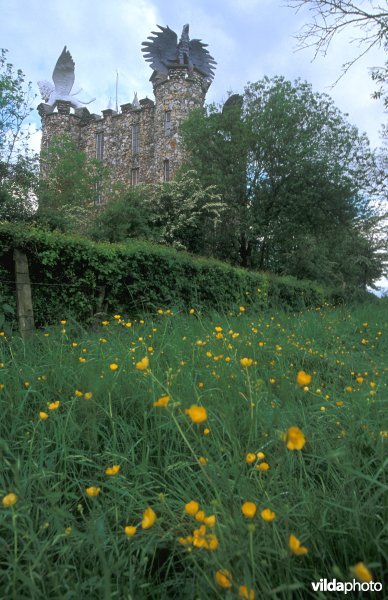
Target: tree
(18, 166)
(368, 20)
(70, 185)
(309, 178)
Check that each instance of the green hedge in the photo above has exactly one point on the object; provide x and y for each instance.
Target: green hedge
(68, 272)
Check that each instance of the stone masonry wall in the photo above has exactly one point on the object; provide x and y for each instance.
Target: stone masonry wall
(176, 94)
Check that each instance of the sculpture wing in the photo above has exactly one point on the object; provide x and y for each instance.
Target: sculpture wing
(162, 49)
(63, 74)
(201, 58)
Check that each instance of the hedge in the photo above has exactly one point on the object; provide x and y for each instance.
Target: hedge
(68, 274)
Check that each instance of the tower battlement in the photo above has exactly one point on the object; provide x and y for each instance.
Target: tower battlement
(140, 143)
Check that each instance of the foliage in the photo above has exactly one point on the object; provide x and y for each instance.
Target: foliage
(304, 180)
(70, 185)
(181, 213)
(78, 415)
(18, 166)
(81, 277)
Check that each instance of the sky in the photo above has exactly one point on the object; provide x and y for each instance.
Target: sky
(248, 38)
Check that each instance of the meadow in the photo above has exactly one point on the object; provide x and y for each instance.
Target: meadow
(235, 455)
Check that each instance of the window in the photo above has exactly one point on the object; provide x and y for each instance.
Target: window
(135, 138)
(98, 199)
(167, 122)
(135, 176)
(99, 146)
(166, 170)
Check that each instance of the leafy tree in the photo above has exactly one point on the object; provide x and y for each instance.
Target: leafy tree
(309, 178)
(70, 185)
(18, 166)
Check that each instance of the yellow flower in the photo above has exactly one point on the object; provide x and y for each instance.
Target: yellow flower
(246, 362)
(191, 311)
(93, 491)
(267, 514)
(250, 458)
(243, 592)
(248, 509)
(2, 386)
(223, 578)
(113, 366)
(192, 507)
(104, 322)
(78, 393)
(163, 401)
(295, 547)
(348, 388)
(218, 328)
(203, 461)
(206, 431)
(196, 413)
(53, 405)
(74, 344)
(294, 438)
(82, 359)
(142, 365)
(112, 470)
(260, 455)
(9, 500)
(26, 384)
(43, 415)
(242, 308)
(362, 573)
(130, 530)
(88, 395)
(117, 317)
(210, 521)
(63, 322)
(359, 380)
(149, 518)
(263, 466)
(200, 516)
(303, 378)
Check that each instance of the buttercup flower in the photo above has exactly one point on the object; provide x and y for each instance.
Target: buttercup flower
(196, 413)
(246, 362)
(43, 415)
(113, 367)
(294, 438)
(149, 518)
(263, 466)
(9, 500)
(130, 530)
(223, 578)
(93, 491)
(88, 395)
(142, 365)
(303, 378)
(295, 547)
(192, 508)
(243, 592)
(112, 470)
(53, 405)
(249, 509)
(362, 573)
(267, 514)
(162, 402)
(250, 457)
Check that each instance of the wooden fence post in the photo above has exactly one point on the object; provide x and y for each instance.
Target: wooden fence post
(25, 311)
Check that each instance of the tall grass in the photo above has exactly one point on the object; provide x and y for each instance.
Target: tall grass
(56, 541)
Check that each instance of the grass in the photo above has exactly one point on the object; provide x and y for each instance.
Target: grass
(56, 541)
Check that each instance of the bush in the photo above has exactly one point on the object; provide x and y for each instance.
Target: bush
(73, 275)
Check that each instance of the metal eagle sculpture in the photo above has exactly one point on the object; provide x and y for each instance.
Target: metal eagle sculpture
(164, 51)
(63, 78)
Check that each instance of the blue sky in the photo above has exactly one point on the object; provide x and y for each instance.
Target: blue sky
(248, 39)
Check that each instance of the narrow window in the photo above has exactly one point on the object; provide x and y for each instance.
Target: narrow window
(135, 176)
(98, 199)
(99, 146)
(135, 138)
(167, 122)
(166, 170)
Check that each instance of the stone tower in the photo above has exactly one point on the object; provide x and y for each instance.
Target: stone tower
(139, 144)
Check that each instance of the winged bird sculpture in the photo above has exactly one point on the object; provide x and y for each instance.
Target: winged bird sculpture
(164, 51)
(63, 78)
